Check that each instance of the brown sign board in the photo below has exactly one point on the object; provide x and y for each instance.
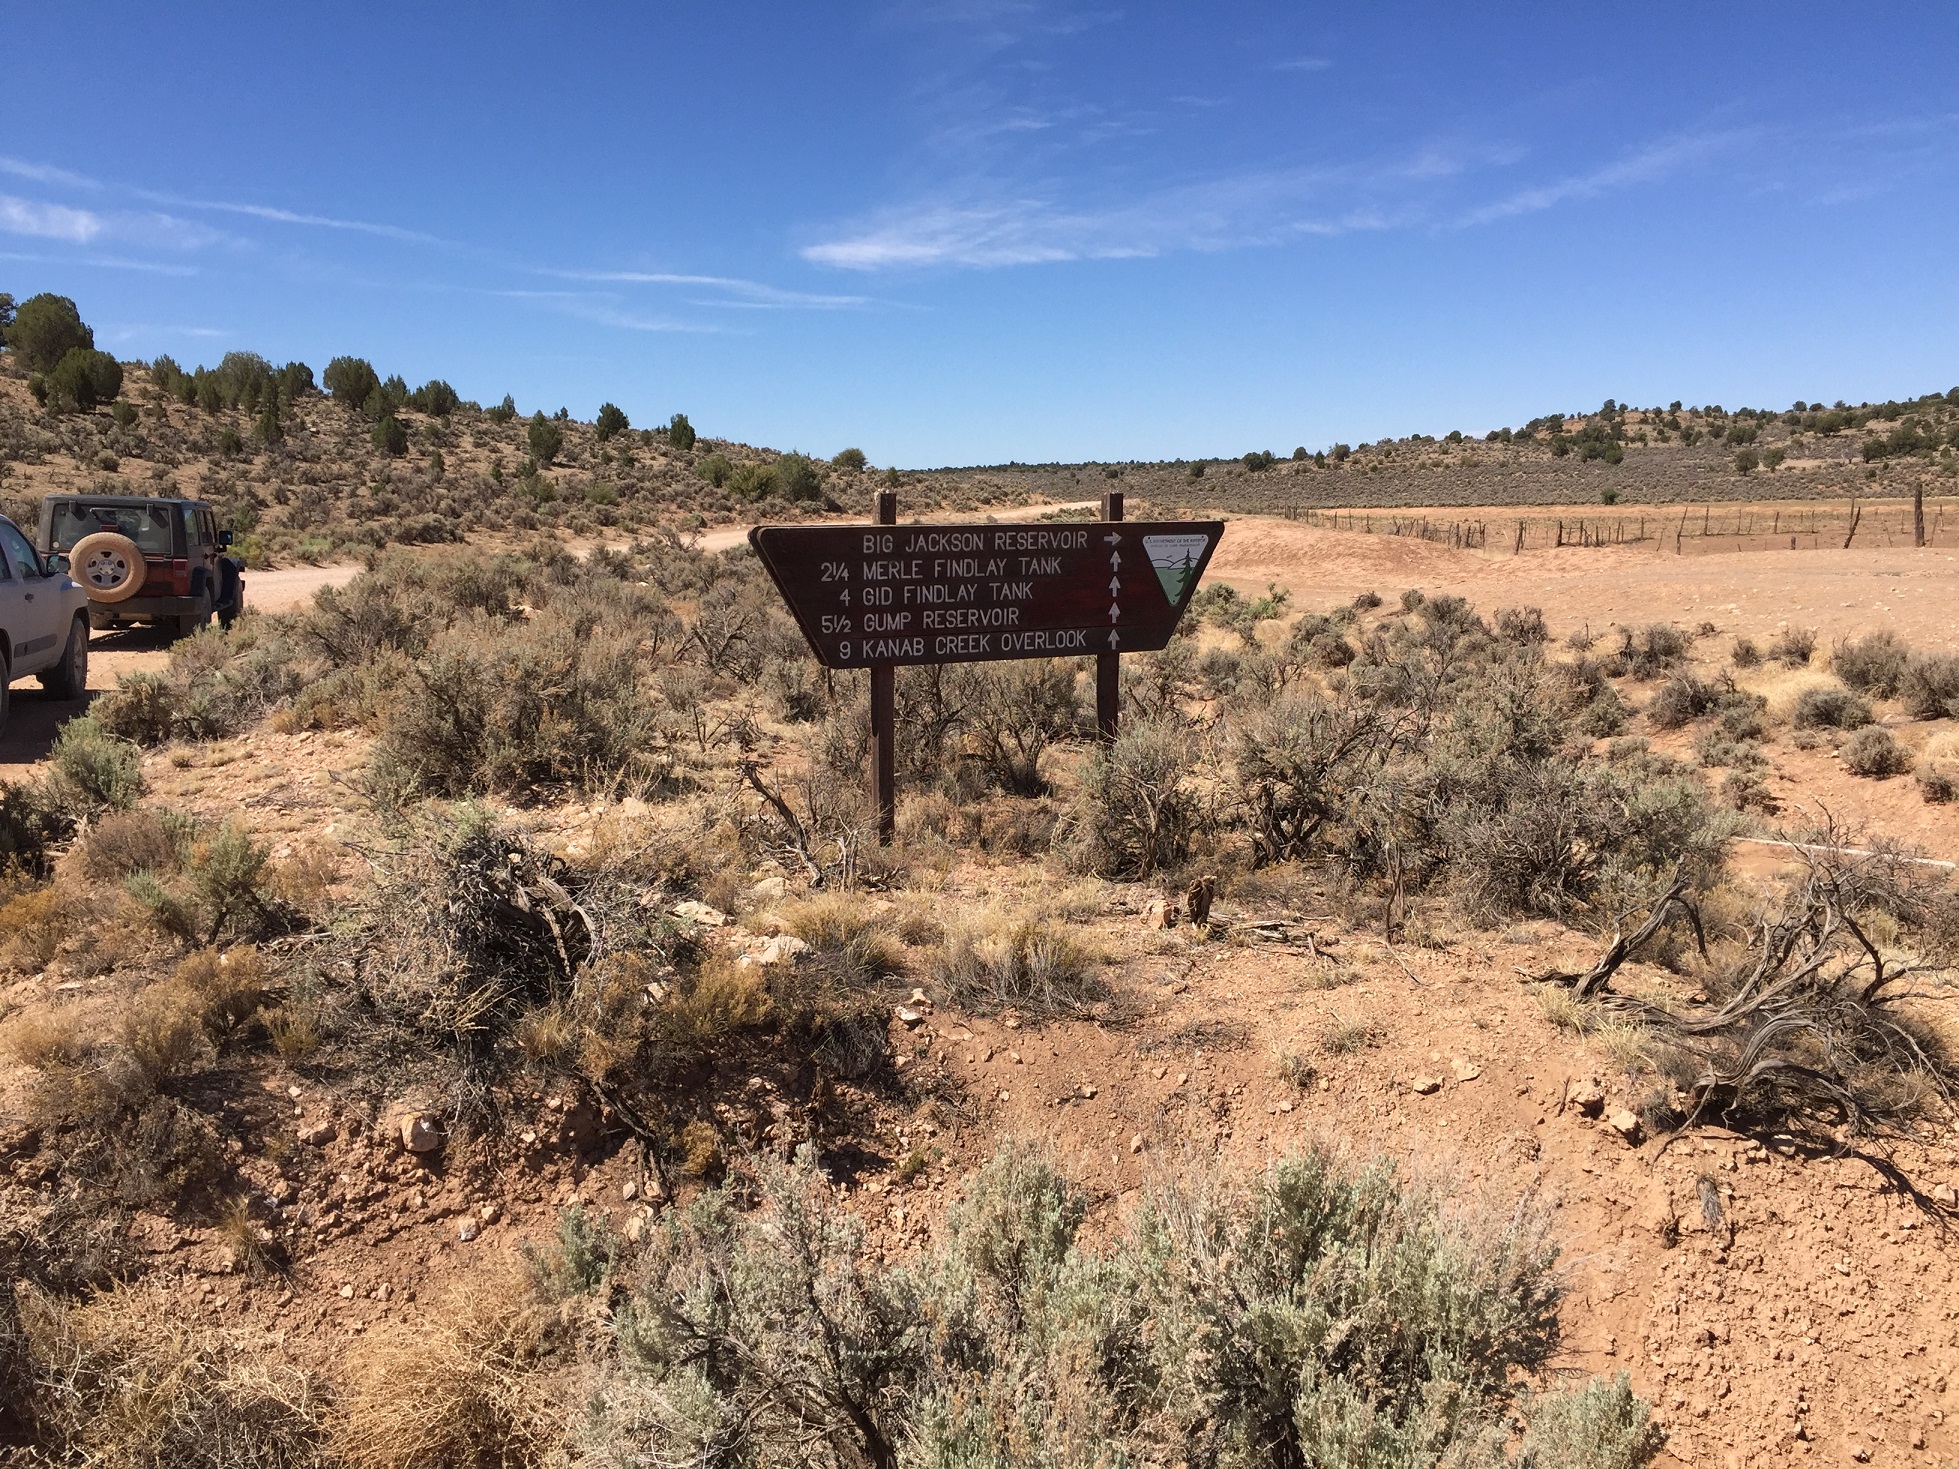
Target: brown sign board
(878, 595)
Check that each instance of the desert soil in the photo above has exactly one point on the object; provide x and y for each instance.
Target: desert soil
(1777, 1306)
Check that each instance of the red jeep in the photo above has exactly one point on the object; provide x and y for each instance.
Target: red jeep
(142, 559)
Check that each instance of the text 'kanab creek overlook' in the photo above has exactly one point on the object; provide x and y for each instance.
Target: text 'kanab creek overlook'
(559, 937)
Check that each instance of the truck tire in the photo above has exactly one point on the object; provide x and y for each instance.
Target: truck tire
(68, 679)
(108, 565)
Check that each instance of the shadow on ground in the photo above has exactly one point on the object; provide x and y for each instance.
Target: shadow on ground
(36, 715)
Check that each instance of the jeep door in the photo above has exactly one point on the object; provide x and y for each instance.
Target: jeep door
(31, 604)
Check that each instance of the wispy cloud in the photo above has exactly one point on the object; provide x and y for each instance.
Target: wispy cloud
(147, 331)
(1647, 165)
(604, 309)
(43, 173)
(987, 229)
(295, 217)
(1303, 63)
(101, 262)
(745, 293)
(990, 226)
(47, 221)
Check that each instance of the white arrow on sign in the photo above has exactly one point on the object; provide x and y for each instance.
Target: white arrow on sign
(1115, 560)
(1114, 611)
(1115, 638)
(1114, 586)
(1112, 540)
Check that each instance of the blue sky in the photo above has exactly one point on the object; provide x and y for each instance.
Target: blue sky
(972, 232)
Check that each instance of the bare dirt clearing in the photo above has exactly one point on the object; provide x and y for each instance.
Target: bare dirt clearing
(1844, 593)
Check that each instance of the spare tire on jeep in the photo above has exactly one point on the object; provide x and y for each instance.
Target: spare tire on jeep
(109, 566)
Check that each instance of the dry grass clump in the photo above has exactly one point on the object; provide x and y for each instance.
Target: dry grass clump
(1009, 960)
(479, 1381)
(1793, 646)
(1346, 1034)
(118, 1380)
(843, 930)
(34, 925)
(123, 843)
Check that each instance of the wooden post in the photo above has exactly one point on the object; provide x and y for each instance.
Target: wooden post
(884, 716)
(1108, 666)
(1918, 514)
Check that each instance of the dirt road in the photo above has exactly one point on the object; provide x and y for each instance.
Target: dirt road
(35, 717)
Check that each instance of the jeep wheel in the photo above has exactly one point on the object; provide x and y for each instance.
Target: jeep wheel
(68, 679)
(108, 565)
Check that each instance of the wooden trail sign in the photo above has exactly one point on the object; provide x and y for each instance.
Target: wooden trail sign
(883, 595)
(867, 595)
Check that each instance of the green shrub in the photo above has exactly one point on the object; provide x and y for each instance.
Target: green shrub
(91, 770)
(1872, 665)
(436, 398)
(797, 477)
(546, 437)
(1872, 752)
(556, 702)
(753, 482)
(851, 461)
(715, 469)
(680, 433)
(124, 413)
(611, 420)
(351, 381)
(1929, 686)
(1829, 706)
(389, 435)
(1017, 710)
(84, 378)
(1593, 1425)
(1312, 1315)
(1138, 812)
(1680, 699)
(504, 412)
(266, 428)
(45, 329)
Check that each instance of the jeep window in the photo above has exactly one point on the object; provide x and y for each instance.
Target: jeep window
(147, 525)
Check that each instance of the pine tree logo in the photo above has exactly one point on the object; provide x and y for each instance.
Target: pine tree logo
(1176, 559)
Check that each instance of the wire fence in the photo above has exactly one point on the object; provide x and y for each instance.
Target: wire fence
(1696, 530)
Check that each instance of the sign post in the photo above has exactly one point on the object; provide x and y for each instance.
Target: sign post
(884, 716)
(1108, 666)
(881, 595)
